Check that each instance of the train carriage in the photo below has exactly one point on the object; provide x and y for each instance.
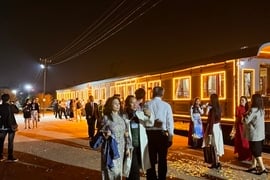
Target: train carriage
(230, 75)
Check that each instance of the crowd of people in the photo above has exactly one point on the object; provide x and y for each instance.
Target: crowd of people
(135, 134)
(248, 132)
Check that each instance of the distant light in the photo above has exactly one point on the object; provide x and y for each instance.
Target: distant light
(243, 47)
(28, 87)
(42, 66)
(242, 63)
(14, 91)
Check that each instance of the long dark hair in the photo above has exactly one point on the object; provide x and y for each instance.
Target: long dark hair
(246, 105)
(108, 107)
(214, 102)
(257, 102)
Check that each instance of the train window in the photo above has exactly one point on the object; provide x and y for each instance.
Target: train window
(112, 90)
(103, 93)
(130, 89)
(141, 85)
(182, 88)
(213, 83)
(248, 82)
(121, 91)
(151, 85)
(96, 95)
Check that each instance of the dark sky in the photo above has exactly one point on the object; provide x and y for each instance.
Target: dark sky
(174, 32)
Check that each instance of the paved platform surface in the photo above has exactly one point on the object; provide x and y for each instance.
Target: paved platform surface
(64, 142)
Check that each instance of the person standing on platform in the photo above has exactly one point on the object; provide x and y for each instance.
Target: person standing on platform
(195, 133)
(255, 133)
(241, 144)
(91, 112)
(160, 135)
(140, 155)
(115, 129)
(213, 130)
(8, 126)
(27, 114)
(35, 112)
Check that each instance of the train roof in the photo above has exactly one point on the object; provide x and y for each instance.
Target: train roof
(257, 51)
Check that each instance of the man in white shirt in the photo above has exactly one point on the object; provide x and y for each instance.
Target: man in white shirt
(160, 135)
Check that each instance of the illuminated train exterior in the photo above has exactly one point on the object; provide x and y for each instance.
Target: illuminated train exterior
(230, 76)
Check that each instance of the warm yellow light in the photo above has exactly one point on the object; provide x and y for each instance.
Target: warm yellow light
(252, 71)
(224, 89)
(175, 88)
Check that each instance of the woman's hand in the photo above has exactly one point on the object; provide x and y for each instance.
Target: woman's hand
(107, 134)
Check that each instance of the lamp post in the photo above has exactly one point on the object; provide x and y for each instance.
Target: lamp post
(44, 66)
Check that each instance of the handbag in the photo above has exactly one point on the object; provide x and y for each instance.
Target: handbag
(127, 166)
(232, 133)
(14, 127)
(209, 154)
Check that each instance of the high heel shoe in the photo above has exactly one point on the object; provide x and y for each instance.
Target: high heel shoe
(262, 172)
(218, 167)
(215, 166)
(250, 170)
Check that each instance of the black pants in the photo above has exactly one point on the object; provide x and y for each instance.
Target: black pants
(135, 164)
(11, 135)
(158, 150)
(91, 126)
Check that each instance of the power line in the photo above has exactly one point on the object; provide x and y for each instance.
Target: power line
(93, 37)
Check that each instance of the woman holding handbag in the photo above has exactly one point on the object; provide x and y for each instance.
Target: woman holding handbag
(213, 134)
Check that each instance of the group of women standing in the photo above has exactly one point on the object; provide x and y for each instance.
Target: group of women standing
(125, 126)
(249, 130)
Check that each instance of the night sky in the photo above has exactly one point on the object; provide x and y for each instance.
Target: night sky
(172, 33)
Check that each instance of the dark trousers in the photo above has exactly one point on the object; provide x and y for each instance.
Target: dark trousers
(158, 150)
(11, 135)
(91, 126)
(135, 164)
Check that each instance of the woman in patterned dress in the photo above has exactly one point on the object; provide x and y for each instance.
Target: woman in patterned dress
(114, 125)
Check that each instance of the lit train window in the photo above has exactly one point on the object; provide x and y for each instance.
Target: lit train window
(213, 83)
(150, 86)
(112, 90)
(103, 94)
(248, 82)
(182, 88)
(121, 91)
(130, 89)
(141, 85)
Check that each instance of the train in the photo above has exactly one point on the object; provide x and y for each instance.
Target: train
(230, 75)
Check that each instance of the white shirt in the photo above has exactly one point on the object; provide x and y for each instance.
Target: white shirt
(162, 111)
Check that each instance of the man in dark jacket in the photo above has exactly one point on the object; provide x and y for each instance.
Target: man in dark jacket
(8, 125)
(91, 112)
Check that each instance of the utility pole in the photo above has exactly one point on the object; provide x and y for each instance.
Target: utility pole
(44, 65)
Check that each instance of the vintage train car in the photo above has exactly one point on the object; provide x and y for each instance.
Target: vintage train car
(230, 75)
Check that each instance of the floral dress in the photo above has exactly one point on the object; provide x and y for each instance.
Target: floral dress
(118, 127)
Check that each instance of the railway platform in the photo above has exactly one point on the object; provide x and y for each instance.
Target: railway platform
(60, 149)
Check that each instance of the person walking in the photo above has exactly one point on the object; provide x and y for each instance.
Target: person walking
(255, 133)
(91, 112)
(115, 129)
(160, 135)
(213, 131)
(8, 126)
(241, 144)
(140, 154)
(195, 133)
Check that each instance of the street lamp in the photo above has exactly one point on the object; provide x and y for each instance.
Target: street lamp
(44, 66)
(28, 88)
